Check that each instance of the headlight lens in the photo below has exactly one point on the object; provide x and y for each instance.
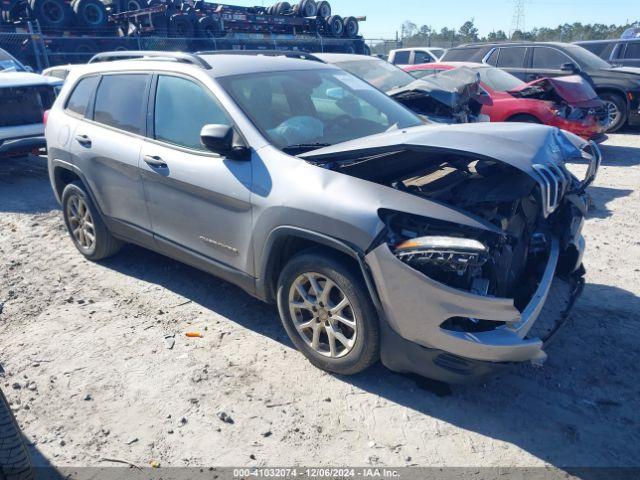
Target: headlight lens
(451, 254)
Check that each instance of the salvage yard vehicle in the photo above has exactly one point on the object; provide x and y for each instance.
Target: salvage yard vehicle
(446, 250)
(564, 102)
(24, 97)
(452, 98)
(624, 52)
(619, 88)
(415, 56)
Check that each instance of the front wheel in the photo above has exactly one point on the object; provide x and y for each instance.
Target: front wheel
(616, 107)
(327, 312)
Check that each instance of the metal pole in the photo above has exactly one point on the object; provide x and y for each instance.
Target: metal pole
(36, 53)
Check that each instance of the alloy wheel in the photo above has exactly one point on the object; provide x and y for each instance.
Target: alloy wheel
(323, 315)
(81, 222)
(613, 112)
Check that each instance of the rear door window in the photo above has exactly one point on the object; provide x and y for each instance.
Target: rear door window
(421, 57)
(401, 58)
(120, 102)
(549, 58)
(512, 57)
(632, 51)
(79, 99)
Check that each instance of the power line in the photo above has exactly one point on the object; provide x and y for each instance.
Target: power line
(518, 23)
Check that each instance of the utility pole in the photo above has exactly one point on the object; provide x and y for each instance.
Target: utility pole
(518, 22)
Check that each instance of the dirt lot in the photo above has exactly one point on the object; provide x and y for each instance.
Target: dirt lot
(89, 375)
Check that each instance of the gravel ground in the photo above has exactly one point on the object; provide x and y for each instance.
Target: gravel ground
(90, 377)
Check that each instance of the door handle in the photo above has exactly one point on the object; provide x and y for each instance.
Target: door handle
(154, 161)
(83, 140)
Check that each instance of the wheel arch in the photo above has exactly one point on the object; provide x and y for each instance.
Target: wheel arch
(613, 90)
(285, 242)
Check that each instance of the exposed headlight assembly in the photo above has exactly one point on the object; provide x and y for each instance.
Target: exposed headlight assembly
(452, 254)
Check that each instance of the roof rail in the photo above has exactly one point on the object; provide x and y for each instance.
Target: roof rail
(266, 53)
(150, 54)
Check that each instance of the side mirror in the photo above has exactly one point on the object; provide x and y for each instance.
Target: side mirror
(569, 67)
(220, 139)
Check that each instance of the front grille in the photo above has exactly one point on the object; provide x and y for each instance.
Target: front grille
(24, 105)
(554, 184)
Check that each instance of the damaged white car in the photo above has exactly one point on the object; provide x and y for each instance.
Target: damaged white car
(24, 97)
(450, 251)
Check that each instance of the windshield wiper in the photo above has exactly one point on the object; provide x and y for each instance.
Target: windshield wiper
(304, 147)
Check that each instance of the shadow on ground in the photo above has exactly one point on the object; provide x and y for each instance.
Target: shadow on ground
(588, 405)
(601, 196)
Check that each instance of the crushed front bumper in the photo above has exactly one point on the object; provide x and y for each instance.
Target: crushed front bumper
(415, 307)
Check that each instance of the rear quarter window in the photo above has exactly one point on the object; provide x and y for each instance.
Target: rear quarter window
(78, 101)
(120, 102)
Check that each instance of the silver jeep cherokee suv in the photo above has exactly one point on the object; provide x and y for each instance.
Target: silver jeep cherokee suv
(449, 251)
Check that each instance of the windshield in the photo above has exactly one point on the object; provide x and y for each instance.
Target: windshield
(306, 109)
(378, 73)
(9, 64)
(585, 58)
(499, 80)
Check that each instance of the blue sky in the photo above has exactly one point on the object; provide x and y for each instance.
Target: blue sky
(386, 16)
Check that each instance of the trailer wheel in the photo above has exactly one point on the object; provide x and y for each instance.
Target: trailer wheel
(89, 13)
(180, 25)
(50, 13)
(307, 8)
(324, 9)
(336, 25)
(209, 27)
(282, 7)
(133, 5)
(351, 27)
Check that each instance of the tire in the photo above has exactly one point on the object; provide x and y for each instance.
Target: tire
(89, 13)
(181, 26)
(307, 8)
(324, 9)
(335, 25)
(52, 14)
(209, 27)
(104, 245)
(524, 118)
(617, 108)
(132, 5)
(351, 27)
(363, 342)
(281, 8)
(14, 458)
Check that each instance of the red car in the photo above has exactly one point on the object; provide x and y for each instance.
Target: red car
(569, 102)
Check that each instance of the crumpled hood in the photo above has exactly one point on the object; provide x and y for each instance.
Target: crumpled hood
(452, 88)
(573, 89)
(519, 145)
(26, 79)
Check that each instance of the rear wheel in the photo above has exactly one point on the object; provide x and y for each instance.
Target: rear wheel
(85, 225)
(327, 312)
(14, 458)
(616, 110)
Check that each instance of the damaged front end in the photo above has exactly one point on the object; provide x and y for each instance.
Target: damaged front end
(572, 99)
(473, 299)
(451, 97)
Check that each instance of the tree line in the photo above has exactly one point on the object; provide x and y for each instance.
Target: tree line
(414, 36)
